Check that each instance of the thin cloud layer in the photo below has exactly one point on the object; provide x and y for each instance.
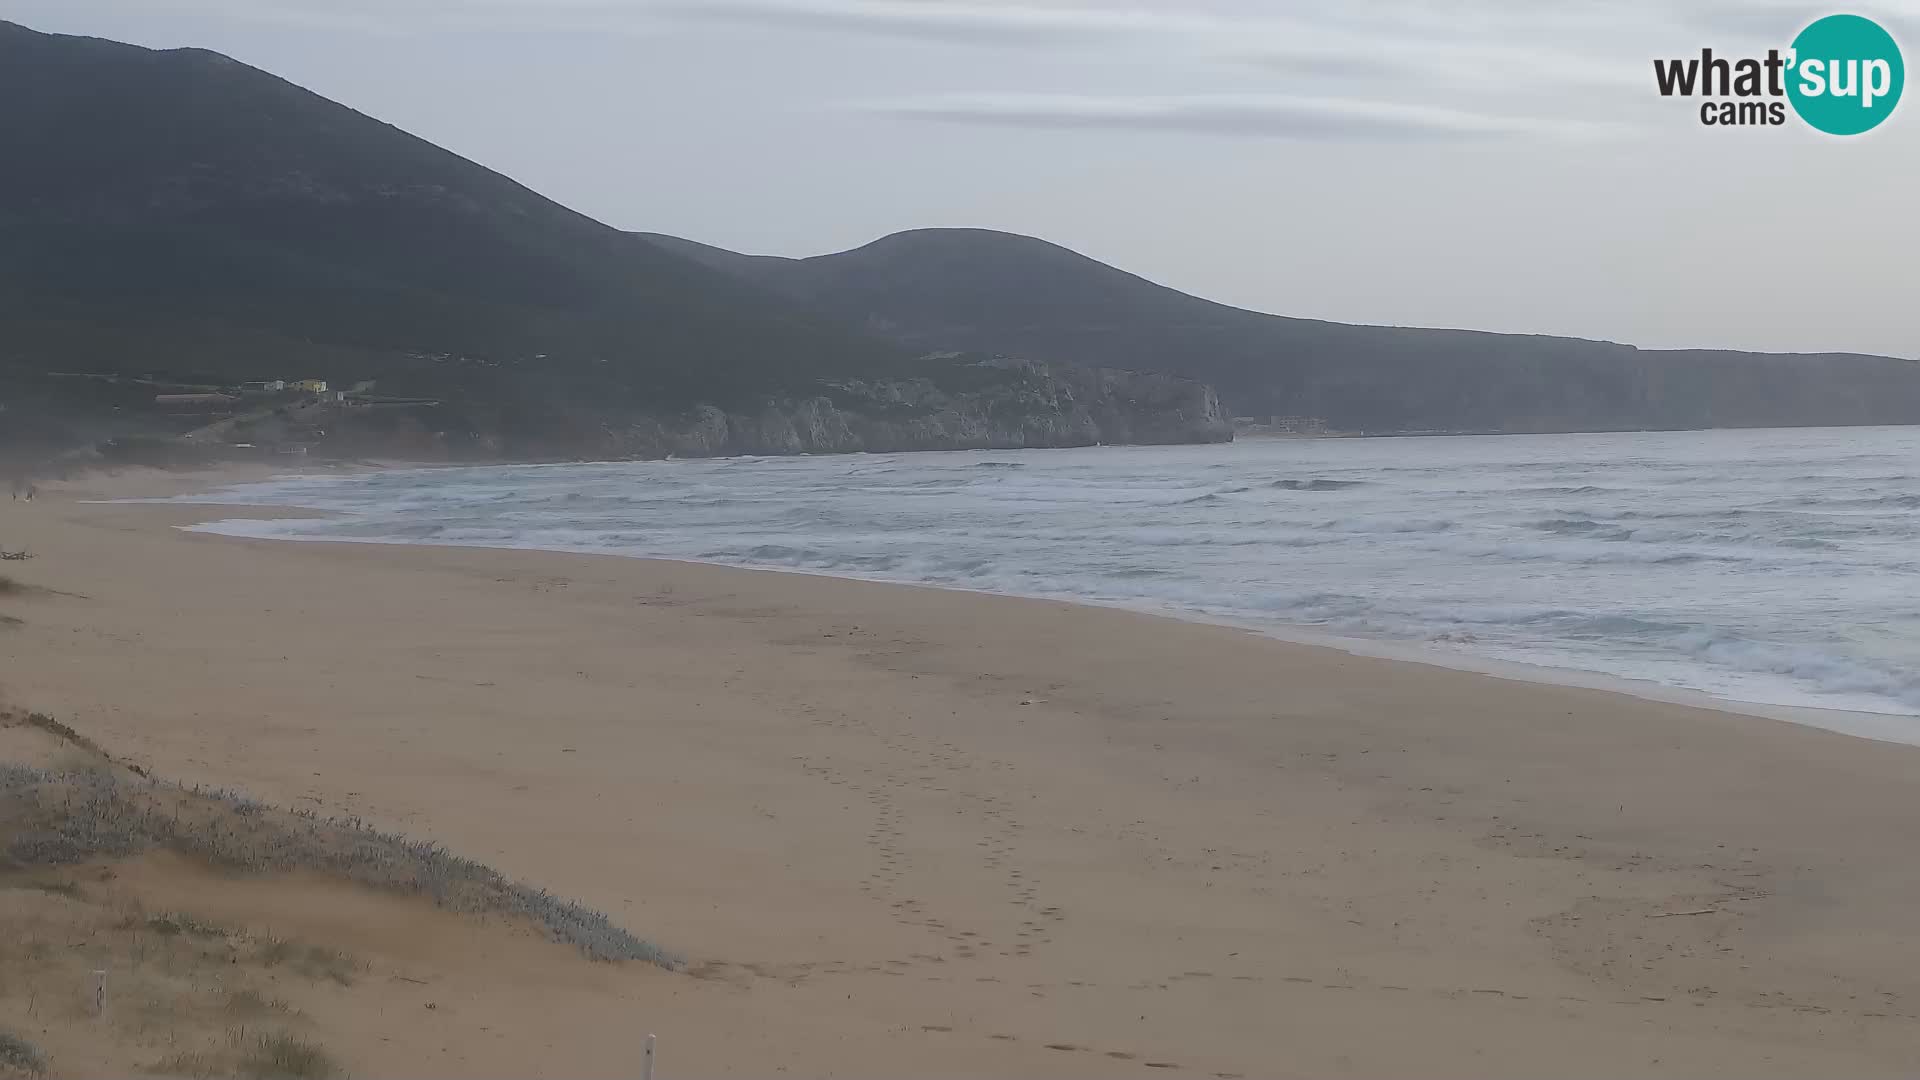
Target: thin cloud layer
(1377, 70)
(941, 20)
(1262, 116)
(1385, 70)
(1045, 22)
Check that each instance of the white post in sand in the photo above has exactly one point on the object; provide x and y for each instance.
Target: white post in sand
(98, 1003)
(646, 1066)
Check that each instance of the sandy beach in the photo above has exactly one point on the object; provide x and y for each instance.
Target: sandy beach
(902, 831)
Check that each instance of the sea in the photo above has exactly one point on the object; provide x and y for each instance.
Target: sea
(1771, 567)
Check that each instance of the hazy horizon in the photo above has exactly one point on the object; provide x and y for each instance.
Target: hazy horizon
(1500, 166)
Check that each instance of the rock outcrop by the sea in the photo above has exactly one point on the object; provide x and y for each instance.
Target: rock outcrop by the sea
(1003, 404)
(1041, 406)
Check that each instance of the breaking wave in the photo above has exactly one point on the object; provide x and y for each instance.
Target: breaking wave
(1759, 566)
(1317, 485)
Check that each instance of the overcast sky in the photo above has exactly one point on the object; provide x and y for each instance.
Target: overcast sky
(1494, 164)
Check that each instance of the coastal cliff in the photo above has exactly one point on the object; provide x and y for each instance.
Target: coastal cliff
(955, 404)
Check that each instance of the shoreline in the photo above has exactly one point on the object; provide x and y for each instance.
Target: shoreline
(1877, 726)
(1871, 726)
(941, 832)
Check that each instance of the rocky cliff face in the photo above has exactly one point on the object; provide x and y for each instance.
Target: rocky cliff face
(997, 404)
(1019, 404)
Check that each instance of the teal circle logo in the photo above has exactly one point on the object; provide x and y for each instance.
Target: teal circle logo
(1846, 75)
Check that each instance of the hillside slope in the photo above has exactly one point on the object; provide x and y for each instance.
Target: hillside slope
(998, 292)
(211, 211)
(184, 214)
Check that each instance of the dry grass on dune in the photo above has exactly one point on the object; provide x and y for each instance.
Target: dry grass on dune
(279, 1056)
(192, 996)
(87, 807)
(18, 1057)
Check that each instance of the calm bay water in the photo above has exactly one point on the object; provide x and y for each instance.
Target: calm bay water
(1760, 566)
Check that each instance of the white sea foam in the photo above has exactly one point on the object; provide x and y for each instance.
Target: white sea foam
(1777, 567)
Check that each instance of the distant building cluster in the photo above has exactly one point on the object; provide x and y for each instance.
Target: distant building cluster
(213, 400)
(1299, 425)
(194, 402)
(1281, 425)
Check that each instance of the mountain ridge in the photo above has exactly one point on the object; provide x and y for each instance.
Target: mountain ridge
(992, 291)
(729, 261)
(184, 213)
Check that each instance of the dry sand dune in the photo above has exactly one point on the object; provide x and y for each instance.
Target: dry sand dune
(907, 832)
